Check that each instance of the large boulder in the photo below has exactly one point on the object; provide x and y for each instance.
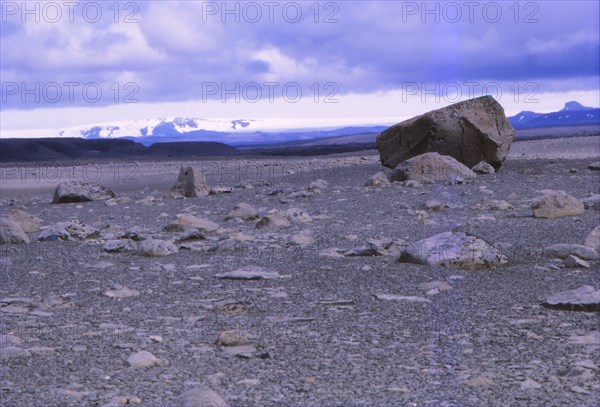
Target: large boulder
(191, 183)
(75, 191)
(432, 167)
(471, 131)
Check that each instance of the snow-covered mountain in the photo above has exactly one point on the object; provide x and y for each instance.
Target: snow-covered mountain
(234, 132)
(573, 114)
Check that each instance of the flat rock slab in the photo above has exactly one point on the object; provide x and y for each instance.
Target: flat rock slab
(156, 248)
(455, 250)
(394, 297)
(249, 273)
(584, 298)
(75, 191)
(593, 239)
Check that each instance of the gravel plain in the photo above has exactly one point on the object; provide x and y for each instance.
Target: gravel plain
(318, 335)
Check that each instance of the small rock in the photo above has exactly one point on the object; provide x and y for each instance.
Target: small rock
(297, 215)
(483, 168)
(430, 168)
(378, 180)
(185, 221)
(156, 248)
(143, 359)
(563, 250)
(11, 232)
(201, 396)
(575, 262)
(592, 202)
(243, 211)
(393, 297)
(122, 292)
(556, 204)
(119, 246)
(434, 287)
(301, 239)
(493, 205)
(231, 338)
(220, 190)
(319, 184)
(273, 221)
(595, 166)
(72, 230)
(435, 205)
(26, 221)
(530, 384)
(13, 352)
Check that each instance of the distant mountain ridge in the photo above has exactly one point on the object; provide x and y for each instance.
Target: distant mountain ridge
(573, 114)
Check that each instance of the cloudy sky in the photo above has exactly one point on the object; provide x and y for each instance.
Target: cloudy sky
(72, 63)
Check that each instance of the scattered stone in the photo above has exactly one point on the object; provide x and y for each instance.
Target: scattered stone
(378, 180)
(453, 249)
(119, 246)
(273, 221)
(26, 221)
(156, 248)
(563, 250)
(243, 211)
(593, 239)
(191, 183)
(249, 273)
(393, 297)
(319, 184)
(143, 358)
(584, 298)
(434, 287)
(530, 384)
(435, 205)
(594, 166)
(591, 338)
(13, 352)
(592, 202)
(483, 168)
(471, 131)
(122, 292)
(220, 190)
(201, 396)
(125, 200)
(75, 191)
(432, 167)
(575, 262)
(493, 205)
(11, 232)
(185, 222)
(301, 239)
(297, 215)
(72, 230)
(556, 204)
(231, 338)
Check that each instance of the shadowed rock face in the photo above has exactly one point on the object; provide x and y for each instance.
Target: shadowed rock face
(471, 131)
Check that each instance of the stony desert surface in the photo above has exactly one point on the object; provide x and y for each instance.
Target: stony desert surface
(318, 310)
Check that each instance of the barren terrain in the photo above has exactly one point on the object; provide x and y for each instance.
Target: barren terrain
(321, 334)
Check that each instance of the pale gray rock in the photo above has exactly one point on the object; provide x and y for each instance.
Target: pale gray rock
(249, 273)
(493, 205)
(191, 183)
(220, 190)
(75, 191)
(13, 352)
(434, 287)
(201, 396)
(435, 205)
(483, 168)
(233, 337)
(432, 167)
(124, 200)
(121, 292)
(563, 250)
(584, 298)
(11, 232)
(156, 248)
(318, 184)
(455, 250)
(243, 211)
(592, 202)
(301, 239)
(555, 204)
(394, 297)
(471, 131)
(593, 239)
(594, 166)
(378, 180)
(143, 358)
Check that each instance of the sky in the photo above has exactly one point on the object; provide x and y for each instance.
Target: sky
(69, 63)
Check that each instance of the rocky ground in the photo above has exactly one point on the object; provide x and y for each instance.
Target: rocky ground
(336, 320)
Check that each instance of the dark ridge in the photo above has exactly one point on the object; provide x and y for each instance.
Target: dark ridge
(69, 149)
